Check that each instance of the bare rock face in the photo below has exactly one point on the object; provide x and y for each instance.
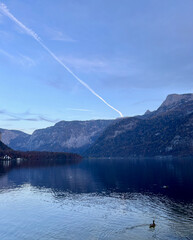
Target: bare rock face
(174, 99)
(67, 136)
(177, 102)
(147, 112)
(64, 136)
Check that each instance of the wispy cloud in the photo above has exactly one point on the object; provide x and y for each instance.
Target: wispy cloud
(57, 35)
(79, 109)
(113, 66)
(46, 119)
(18, 59)
(25, 116)
(4, 10)
(26, 60)
(85, 65)
(6, 54)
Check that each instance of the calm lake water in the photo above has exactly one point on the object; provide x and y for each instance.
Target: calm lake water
(96, 199)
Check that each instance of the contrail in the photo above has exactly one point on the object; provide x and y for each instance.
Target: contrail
(6, 12)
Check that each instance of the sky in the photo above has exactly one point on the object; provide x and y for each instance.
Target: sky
(132, 54)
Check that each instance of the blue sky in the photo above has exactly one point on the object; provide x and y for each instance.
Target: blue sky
(132, 53)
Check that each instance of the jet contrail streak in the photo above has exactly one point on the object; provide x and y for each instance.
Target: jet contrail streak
(6, 12)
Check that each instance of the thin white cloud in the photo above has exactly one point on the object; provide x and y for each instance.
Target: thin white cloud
(18, 59)
(5, 10)
(6, 54)
(25, 60)
(116, 66)
(57, 35)
(79, 109)
(83, 64)
(25, 116)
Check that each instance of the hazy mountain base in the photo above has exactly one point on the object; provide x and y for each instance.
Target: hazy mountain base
(6, 151)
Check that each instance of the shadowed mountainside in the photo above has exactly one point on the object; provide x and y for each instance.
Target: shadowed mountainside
(166, 131)
(4, 150)
(4, 147)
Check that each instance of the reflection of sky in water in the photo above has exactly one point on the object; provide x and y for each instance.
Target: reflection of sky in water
(97, 199)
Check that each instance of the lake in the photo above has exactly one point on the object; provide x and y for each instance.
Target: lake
(96, 199)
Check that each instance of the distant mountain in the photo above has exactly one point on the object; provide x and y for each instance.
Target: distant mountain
(4, 147)
(166, 131)
(180, 104)
(67, 136)
(15, 139)
(175, 100)
(35, 155)
(64, 136)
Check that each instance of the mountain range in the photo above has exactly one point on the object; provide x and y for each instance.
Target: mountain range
(64, 136)
(165, 131)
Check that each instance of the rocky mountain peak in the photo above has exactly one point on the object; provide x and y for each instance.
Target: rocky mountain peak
(174, 99)
(182, 103)
(147, 112)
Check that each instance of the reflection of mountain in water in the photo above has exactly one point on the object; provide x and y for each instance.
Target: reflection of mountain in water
(172, 178)
(25, 168)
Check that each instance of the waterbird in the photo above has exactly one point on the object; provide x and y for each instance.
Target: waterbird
(152, 225)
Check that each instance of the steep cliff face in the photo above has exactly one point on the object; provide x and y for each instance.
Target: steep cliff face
(64, 136)
(166, 131)
(173, 100)
(179, 104)
(67, 136)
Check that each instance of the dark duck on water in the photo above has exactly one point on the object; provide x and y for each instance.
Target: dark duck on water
(152, 225)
